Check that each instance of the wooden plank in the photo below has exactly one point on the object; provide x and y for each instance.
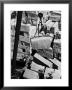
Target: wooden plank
(30, 74)
(45, 61)
(36, 67)
(56, 62)
(25, 27)
(25, 39)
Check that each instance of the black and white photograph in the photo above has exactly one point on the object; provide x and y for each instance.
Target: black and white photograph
(36, 44)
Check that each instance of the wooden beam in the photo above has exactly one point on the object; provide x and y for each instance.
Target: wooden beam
(17, 29)
(43, 60)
